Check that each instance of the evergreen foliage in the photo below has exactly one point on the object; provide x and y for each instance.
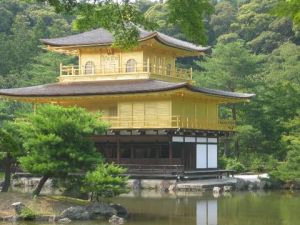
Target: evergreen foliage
(57, 141)
(123, 17)
(106, 181)
(290, 8)
(10, 150)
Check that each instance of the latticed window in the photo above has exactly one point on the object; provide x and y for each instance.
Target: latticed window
(131, 65)
(89, 68)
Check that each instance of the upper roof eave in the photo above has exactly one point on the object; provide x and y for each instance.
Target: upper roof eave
(105, 38)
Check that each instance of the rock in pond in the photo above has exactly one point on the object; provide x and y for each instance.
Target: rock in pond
(92, 211)
(76, 213)
(121, 210)
(97, 210)
(64, 220)
(116, 220)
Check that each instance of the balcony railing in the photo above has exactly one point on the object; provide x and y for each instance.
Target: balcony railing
(146, 70)
(164, 122)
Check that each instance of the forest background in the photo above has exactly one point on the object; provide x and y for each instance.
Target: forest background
(253, 51)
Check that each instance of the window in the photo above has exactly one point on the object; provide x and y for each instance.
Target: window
(131, 66)
(89, 68)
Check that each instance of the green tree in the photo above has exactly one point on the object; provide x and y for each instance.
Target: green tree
(106, 181)
(252, 22)
(289, 8)
(278, 98)
(289, 171)
(159, 13)
(10, 149)
(123, 17)
(230, 67)
(57, 141)
(224, 15)
(19, 38)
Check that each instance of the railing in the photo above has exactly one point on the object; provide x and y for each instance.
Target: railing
(153, 169)
(168, 122)
(134, 71)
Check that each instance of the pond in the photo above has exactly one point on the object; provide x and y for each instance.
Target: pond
(152, 208)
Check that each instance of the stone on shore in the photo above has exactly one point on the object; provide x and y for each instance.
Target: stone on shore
(227, 188)
(18, 207)
(217, 190)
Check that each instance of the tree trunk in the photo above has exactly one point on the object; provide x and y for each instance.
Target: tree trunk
(8, 161)
(40, 185)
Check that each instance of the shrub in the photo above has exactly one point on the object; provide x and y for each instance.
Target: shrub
(106, 181)
(259, 162)
(27, 214)
(231, 164)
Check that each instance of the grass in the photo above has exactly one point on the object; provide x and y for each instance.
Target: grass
(67, 199)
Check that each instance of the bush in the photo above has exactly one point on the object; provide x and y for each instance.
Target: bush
(259, 162)
(234, 164)
(106, 181)
(27, 214)
(231, 164)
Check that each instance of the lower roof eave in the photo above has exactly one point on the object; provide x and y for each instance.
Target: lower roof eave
(111, 88)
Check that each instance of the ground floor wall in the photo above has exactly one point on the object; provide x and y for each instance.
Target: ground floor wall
(188, 152)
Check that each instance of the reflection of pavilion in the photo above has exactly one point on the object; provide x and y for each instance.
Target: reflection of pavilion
(207, 212)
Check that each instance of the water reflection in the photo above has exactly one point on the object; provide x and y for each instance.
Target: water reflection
(207, 212)
(156, 208)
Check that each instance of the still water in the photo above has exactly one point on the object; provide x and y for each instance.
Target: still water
(152, 208)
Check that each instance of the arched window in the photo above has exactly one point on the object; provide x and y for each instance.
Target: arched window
(89, 68)
(131, 65)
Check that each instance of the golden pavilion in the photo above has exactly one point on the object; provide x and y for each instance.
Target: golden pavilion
(158, 120)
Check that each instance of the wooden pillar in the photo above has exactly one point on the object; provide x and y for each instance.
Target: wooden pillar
(131, 151)
(170, 153)
(158, 151)
(118, 151)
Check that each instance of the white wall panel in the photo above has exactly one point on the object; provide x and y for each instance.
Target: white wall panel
(212, 156)
(201, 156)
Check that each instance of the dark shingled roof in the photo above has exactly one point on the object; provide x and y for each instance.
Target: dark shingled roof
(104, 37)
(110, 88)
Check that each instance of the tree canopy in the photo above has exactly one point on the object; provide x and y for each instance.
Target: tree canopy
(123, 17)
(57, 141)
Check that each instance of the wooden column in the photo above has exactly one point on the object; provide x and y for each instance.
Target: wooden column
(118, 151)
(170, 152)
(131, 151)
